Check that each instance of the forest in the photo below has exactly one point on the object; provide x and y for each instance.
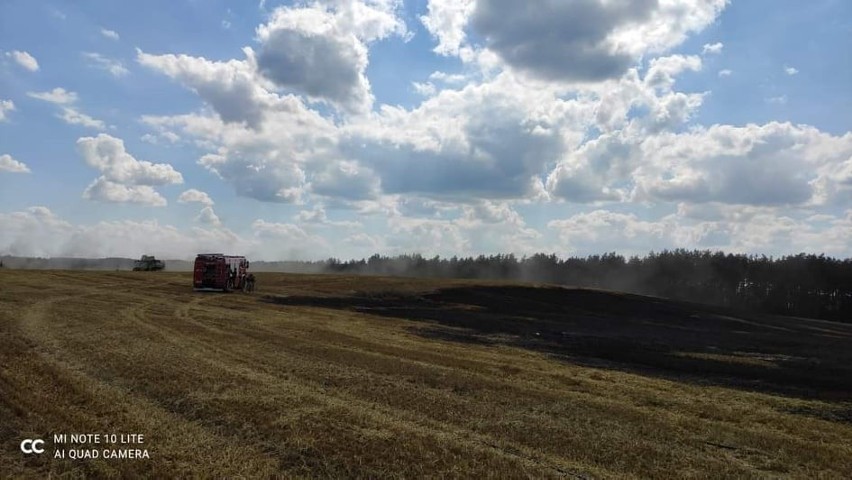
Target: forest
(805, 285)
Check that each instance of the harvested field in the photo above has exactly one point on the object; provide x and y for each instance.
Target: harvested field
(347, 377)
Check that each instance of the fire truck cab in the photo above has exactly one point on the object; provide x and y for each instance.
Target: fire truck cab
(219, 273)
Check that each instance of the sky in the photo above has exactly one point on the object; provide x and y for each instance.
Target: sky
(304, 130)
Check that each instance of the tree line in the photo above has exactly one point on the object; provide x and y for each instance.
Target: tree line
(803, 285)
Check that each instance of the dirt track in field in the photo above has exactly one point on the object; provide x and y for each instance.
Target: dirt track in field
(374, 377)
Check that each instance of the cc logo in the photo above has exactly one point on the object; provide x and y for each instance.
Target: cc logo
(32, 446)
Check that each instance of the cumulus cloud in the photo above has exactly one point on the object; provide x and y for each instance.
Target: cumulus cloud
(114, 67)
(346, 180)
(6, 106)
(662, 71)
(772, 164)
(162, 134)
(586, 40)
(208, 217)
(725, 73)
(39, 232)
(446, 20)
(58, 95)
(110, 34)
(732, 228)
(231, 88)
(195, 196)
(104, 190)
(68, 111)
(269, 163)
(321, 49)
(481, 141)
(24, 59)
(317, 216)
(448, 78)
(108, 155)
(124, 179)
(712, 48)
(72, 116)
(426, 89)
(9, 164)
(777, 100)
(277, 181)
(791, 71)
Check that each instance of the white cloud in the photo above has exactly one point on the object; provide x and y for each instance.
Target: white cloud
(208, 217)
(162, 134)
(9, 164)
(195, 196)
(69, 114)
(114, 67)
(446, 21)
(321, 49)
(587, 40)
(38, 232)
(58, 95)
(74, 117)
(425, 89)
(270, 162)
(108, 155)
(772, 164)
(24, 59)
(226, 24)
(712, 49)
(450, 79)
(170, 136)
(663, 70)
(232, 88)
(104, 190)
(725, 73)
(778, 100)
(110, 34)
(345, 179)
(279, 180)
(124, 179)
(6, 106)
(486, 141)
(732, 228)
(317, 216)
(790, 71)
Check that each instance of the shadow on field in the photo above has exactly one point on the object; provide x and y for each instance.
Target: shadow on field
(674, 340)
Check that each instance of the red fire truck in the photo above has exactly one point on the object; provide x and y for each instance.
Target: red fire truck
(218, 272)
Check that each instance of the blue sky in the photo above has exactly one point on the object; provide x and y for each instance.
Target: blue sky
(344, 128)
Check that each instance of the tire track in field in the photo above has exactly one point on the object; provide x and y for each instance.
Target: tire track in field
(240, 366)
(243, 365)
(66, 372)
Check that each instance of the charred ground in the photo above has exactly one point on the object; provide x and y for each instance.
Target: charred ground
(653, 336)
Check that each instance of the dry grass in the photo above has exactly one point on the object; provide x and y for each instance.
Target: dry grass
(375, 377)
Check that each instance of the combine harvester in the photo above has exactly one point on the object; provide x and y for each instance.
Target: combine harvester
(215, 272)
(148, 264)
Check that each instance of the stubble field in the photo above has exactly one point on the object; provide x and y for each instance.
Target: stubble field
(347, 377)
